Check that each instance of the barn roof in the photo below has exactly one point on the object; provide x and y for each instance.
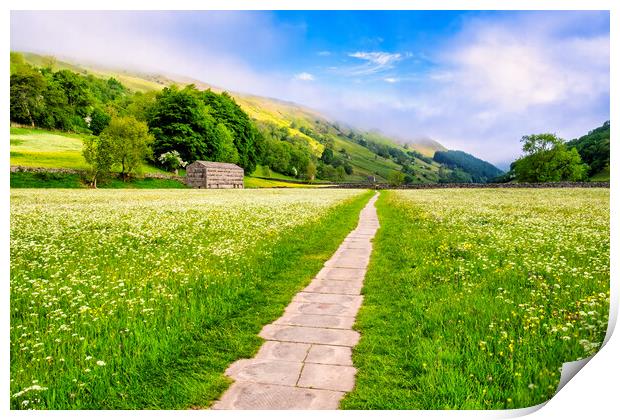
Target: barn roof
(222, 165)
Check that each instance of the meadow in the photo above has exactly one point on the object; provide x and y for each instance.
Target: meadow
(475, 298)
(34, 147)
(141, 299)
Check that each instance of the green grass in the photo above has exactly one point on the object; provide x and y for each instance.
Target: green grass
(52, 149)
(144, 183)
(251, 182)
(475, 298)
(60, 180)
(266, 172)
(45, 180)
(141, 299)
(602, 176)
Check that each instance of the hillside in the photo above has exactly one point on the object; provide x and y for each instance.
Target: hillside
(594, 150)
(479, 170)
(362, 154)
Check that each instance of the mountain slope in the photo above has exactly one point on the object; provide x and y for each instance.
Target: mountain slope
(480, 170)
(369, 154)
(594, 150)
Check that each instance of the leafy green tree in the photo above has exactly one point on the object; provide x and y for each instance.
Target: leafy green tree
(131, 143)
(247, 139)
(594, 148)
(548, 159)
(27, 96)
(179, 120)
(99, 120)
(225, 150)
(327, 156)
(396, 178)
(172, 161)
(99, 154)
(17, 62)
(340, 173)
(310, 172)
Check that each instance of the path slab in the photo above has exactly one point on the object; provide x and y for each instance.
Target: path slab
(278, 372)
(334, 287)
(306, 361)
(329, 377)
(328, 298)
(278, 350)
(254, 396)
(321, 321)
(342, 273)
(329, 355)
(310, 335)
(321, 308)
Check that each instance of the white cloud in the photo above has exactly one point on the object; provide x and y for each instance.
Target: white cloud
(324, 53)
(488, 85)
(306, 77)
(376, 61)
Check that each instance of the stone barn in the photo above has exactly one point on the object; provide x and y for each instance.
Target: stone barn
(203, 174)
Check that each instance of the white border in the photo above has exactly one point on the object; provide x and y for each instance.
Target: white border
(592, 393)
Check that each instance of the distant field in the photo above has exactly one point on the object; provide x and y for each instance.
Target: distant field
(251, 182)
(475, 298)
(49, 149)
(142, 299)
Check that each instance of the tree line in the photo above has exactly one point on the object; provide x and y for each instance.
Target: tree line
(167, 128)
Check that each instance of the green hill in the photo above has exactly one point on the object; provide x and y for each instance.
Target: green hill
(594, 150)
(362, 154)
(480, 171)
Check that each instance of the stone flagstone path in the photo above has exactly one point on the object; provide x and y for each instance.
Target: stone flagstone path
(306, 361)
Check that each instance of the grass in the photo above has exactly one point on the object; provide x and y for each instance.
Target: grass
(475, 298)
(251, 182)
(52, 149)
(141, 299)
(45, 180)
(602, 176)
(266, 172)
(61, 180)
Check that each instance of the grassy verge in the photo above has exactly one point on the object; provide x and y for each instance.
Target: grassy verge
(125, 300)
(61, 180)
(45, 180)
(251, 182)
(39, 148)
(474, 299)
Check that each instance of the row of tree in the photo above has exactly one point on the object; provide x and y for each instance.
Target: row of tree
(183, 125)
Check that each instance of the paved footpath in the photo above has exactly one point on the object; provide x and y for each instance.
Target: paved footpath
(306, 361)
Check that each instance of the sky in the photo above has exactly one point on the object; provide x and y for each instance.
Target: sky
(473, 80)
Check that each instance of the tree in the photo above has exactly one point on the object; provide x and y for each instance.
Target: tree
(310, 173)
(247, 139)
(594, 148)
(172, 161)
(27, 100)
(225, 150)
(396, 178)
(179, 120)
(99, 120)
(327, 156)
(99, 154)
(130, 142)
(548, 159)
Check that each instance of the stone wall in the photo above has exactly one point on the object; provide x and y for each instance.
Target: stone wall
(84, 172)
(507, 185)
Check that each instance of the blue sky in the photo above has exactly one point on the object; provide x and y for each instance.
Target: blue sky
(475, 81)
